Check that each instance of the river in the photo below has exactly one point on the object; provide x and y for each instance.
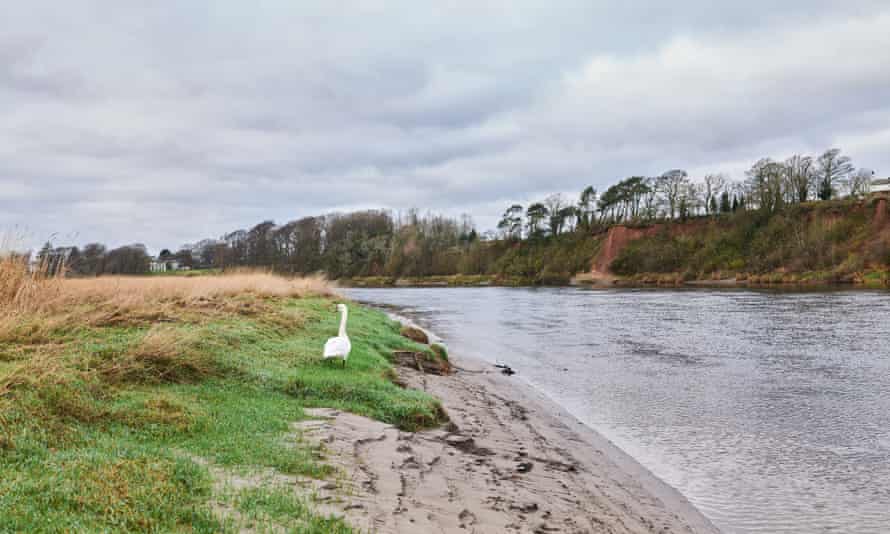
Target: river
(770, 411)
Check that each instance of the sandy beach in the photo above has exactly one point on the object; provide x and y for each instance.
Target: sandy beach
(511, 461)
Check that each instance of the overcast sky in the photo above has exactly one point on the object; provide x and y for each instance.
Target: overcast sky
(174, 121)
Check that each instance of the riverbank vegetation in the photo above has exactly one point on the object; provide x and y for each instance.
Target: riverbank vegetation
(828, 242)
(127, 403)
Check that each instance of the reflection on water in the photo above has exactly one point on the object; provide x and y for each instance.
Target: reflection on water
(770, 411)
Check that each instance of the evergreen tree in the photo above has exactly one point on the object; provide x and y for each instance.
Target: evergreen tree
(725, 206)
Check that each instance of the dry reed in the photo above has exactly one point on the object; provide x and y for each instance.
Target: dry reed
(35, 308)
(123, 299)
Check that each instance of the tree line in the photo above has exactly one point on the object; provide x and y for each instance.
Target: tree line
(94, 259)
(769, 185)
(550, 237)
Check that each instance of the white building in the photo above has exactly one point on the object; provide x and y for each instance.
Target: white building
(880, 187)
(162, 266)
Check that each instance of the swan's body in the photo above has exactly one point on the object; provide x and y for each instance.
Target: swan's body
(339, 347)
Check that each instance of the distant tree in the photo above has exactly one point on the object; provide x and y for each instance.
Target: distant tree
(650, 200)
(628, 199)
(131, 259)
(713, 185)
(725, 205)
(569, 217)
(586, 207)
(93, 259)
(832, 170)
(44, 255)
(689, 200)
(800, 174)
(766, 180)
(52, 260)
(860, 183)
(185, 258)
(467, 229)
(260, 245)
(74, 261)
(535, 214)
(511, 222)
(556, 213)
(671, 184)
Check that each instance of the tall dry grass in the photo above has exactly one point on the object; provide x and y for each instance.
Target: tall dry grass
(38, 312)
(18, 285)
(22, 291)
(32, 304)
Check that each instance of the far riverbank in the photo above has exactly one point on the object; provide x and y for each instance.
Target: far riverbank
(813, 280)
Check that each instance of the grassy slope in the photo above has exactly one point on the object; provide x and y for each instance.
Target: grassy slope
(96, 445)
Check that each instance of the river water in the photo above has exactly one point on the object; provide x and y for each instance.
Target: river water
(769, 411)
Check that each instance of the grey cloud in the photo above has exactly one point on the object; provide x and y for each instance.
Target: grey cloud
(169, 123)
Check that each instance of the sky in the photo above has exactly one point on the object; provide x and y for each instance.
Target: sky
(167, 122)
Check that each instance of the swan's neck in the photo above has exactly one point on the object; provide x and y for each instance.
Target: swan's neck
(343, 324)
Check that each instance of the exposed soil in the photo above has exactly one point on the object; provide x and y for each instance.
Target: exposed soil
(618, 238)
(880, 220)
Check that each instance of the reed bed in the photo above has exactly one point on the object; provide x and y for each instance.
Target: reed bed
(24, 291)
(42, 316)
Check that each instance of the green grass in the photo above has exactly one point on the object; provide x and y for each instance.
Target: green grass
(81, 452)
(270, 509)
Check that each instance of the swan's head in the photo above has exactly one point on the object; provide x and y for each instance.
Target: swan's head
(341, 308)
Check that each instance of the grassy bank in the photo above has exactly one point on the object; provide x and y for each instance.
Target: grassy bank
(551, 261)
(126, 403)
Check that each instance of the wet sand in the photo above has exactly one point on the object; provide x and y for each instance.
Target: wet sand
(511, 461)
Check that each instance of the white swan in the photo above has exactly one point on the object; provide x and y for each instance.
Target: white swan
(339, 347)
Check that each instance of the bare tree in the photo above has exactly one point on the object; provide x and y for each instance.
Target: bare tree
(671, 184)
(650, 198)
(555, 204)
(833, 171)
(765, 184)
(713, 186)
(689, 200)
(860, 183)
(799, 172)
